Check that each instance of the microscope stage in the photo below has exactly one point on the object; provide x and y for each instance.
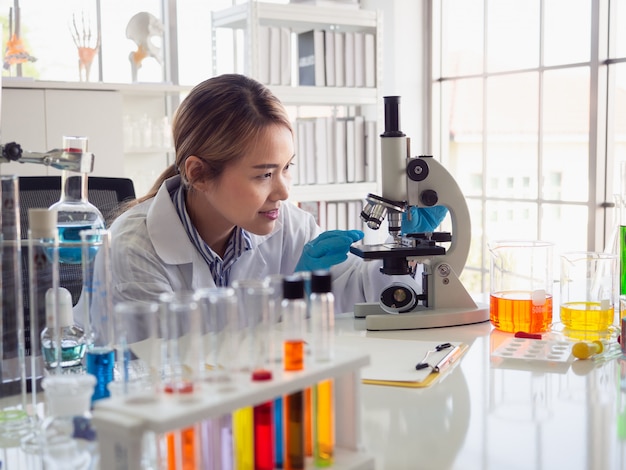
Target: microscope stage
(392, 250)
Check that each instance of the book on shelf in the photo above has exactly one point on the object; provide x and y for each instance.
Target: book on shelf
(348, 48)
(275, 55)
(330, 156)
(342, 215)
(350, 155)
(340, 59)
(309, 152)
(370, 59)
(371, 144)
(331, 215)
(311, 60)
(359, 59)
(329, 57)
(264, 54)
(359, 149)
(285, 55)
(321, 151)
(340, 150)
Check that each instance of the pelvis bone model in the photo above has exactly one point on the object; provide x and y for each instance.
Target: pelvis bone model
(142, 29)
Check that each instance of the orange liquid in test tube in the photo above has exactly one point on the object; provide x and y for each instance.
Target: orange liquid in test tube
(308, 421)
(294, 431)
(294, 354)
(324, 423)
(181, 450)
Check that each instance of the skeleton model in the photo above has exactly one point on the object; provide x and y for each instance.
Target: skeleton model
(86, 49)
(141, 29)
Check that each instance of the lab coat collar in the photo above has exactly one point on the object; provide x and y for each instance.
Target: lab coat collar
(164, 227)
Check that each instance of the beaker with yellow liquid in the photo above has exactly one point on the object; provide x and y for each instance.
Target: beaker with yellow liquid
(588, 288)
(521, 285)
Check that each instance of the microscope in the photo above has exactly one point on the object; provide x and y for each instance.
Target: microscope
(423, 182)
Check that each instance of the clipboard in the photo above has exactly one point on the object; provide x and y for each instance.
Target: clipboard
(393, 361)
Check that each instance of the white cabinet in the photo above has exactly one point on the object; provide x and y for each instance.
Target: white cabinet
(121, 424)
(128, 125)
(240, 34)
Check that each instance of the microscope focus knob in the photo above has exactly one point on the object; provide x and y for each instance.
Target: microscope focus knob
(417, 169)
(12, 151)
(429, 197)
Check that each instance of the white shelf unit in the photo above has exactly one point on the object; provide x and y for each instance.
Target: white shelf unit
(299, 100)
(121, 424)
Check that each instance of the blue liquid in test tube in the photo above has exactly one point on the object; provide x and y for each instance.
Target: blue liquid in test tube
(279, 437)
(100, 362)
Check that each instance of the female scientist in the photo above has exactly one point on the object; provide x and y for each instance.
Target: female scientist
(219, 213)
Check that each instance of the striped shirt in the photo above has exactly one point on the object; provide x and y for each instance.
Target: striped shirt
(238, 243)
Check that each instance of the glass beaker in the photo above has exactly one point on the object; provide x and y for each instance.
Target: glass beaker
(75, 212)
(588, 284)
(521, 285)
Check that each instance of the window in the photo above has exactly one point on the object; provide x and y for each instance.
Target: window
(531, 94)
(48, 31)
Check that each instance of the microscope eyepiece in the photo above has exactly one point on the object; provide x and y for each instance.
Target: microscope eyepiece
(392, 117)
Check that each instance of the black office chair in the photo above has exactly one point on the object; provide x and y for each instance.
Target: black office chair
(107, 194)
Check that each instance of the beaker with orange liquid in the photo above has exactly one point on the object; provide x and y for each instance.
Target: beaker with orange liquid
(521, 285)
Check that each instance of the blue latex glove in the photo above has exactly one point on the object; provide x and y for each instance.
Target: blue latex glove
(423, 219)
(328, 249)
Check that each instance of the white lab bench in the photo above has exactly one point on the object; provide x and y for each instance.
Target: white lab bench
(496, 414)
(486, 414)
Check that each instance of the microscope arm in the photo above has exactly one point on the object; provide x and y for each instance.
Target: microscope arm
(80, 162)
(429, 184)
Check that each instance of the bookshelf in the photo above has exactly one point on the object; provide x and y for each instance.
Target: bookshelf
(245, 32)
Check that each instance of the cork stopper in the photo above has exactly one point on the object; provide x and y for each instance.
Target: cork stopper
(42, 223)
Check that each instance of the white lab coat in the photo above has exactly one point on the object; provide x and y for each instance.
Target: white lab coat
(152, 254)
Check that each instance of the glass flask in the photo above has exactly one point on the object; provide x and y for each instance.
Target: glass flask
(75, 212)
(70, 337)
(68, 439)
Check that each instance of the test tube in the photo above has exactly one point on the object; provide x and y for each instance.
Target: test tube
(293, 313)
(218, 307)
(138, 347)
(182, 342)
(253, 431)
(218, 310)
(323, 320)
(184, 364)
(275, 282)
(100, 352)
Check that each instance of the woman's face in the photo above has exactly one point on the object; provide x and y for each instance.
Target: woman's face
(249, 193)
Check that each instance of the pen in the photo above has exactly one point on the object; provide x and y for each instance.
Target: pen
(448, 359)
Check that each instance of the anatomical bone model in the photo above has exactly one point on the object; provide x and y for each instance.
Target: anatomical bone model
(141, 29)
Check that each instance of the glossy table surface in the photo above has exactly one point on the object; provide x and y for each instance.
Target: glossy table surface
(489, 413)
(485, 413)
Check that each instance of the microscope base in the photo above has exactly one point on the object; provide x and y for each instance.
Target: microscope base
(377, 319)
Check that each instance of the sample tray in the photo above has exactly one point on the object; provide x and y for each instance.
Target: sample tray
(514, 352)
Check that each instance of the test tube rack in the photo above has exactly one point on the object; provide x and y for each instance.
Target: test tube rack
(121, 422)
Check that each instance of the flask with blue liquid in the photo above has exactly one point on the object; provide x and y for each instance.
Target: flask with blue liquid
(75, 212)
